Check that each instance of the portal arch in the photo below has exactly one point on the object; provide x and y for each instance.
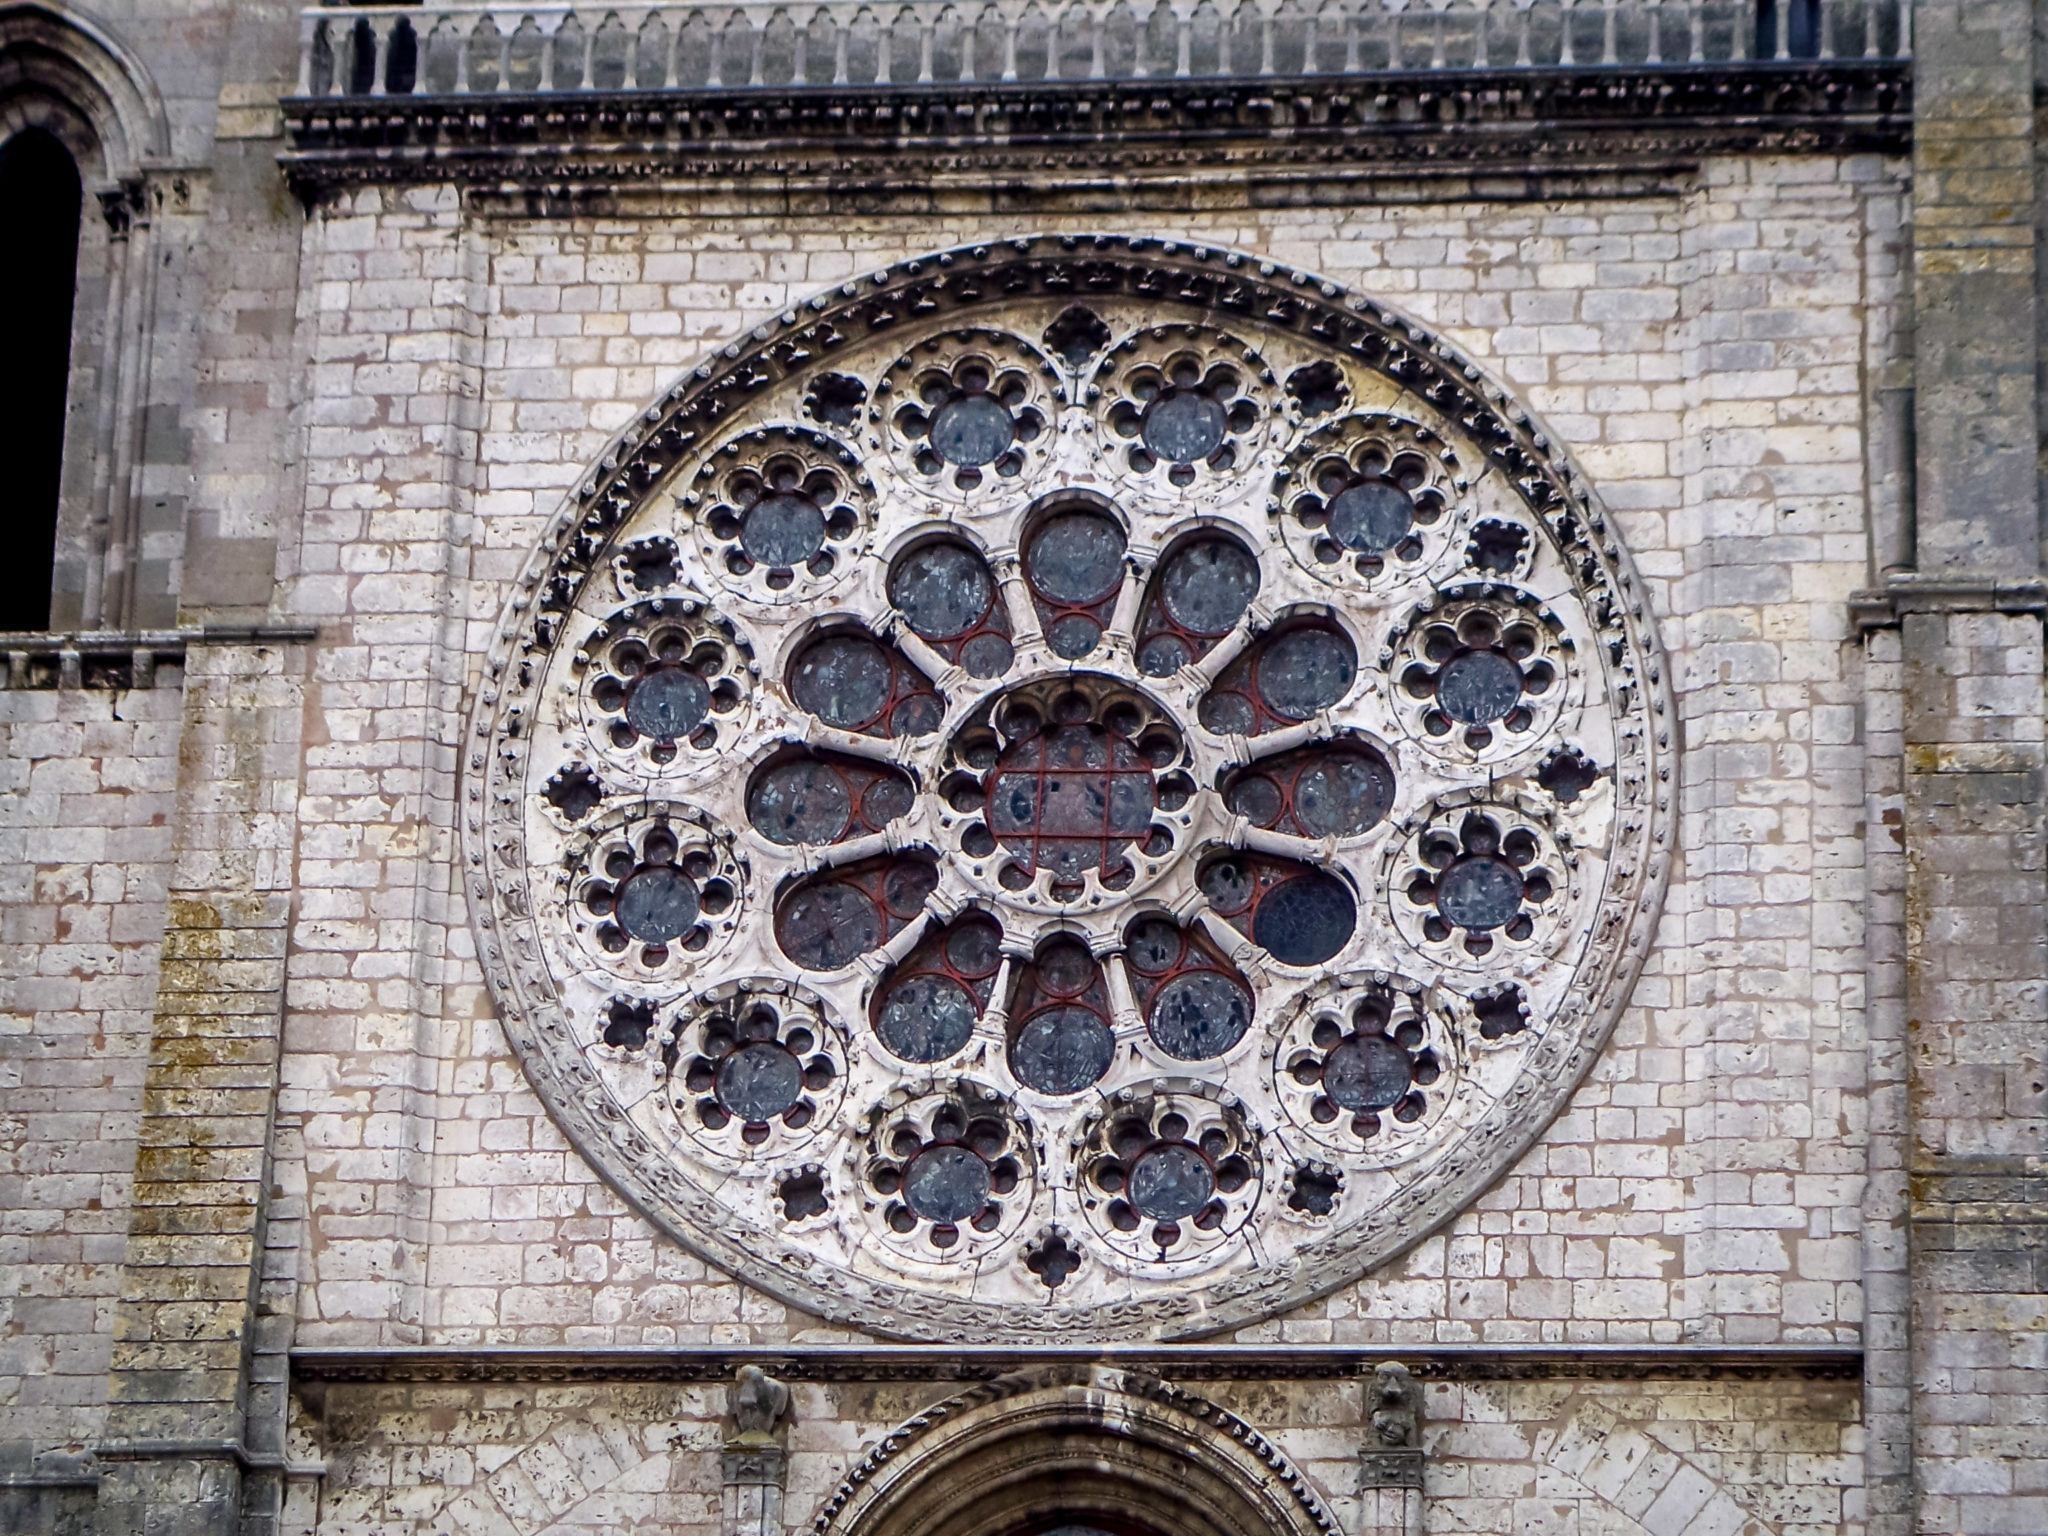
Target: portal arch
(1093, 1448)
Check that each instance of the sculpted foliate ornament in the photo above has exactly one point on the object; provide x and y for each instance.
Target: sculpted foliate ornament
(1071, 787)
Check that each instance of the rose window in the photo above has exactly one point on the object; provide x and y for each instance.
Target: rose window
(1184, 401)
(780, 509)
(1480, 880)
(1170, 1176)
(946, 1174)
(967, 409)
(1481, 674)
(1369, 497)
(651, 887)
(757, 1065)
(1358, 1068)
(1075, 788)
(661, 680)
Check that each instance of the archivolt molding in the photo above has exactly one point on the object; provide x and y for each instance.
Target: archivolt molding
(62, 70)
(1493, 1012)
(1073, 1441)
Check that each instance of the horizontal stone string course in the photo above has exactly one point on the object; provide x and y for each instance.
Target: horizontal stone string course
(472, 50)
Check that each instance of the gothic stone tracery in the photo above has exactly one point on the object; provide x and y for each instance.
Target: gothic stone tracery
(1069, 785)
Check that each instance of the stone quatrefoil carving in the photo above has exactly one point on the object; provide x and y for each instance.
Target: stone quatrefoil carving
(1070, 786)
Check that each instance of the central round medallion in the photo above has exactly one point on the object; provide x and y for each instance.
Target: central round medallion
(1070, 798)
(1068, 781)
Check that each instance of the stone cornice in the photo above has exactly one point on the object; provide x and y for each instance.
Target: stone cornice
(121, 658)
(1911, 592)
(921, 137)
(1190, 1362)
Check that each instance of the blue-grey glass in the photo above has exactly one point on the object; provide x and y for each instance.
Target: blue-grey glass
(1208, 585)
(1227, 714)
(987, 655)
(758, 1082)
(1227, 884)
(1305, 920)
(800, 802)
(1154, 944)
(1366, 1072)
(1163, 655)
(1075, 635)
(825, 926)
(1076, 557)
(1062, 1050)
(843, 680)
(917, 715)
(1067, 785)
(657, 904)
(667, 704)
(1184, 425)
(1371, 516)
(1343, 795)
(1477, 687)
(972, 430)
(1170, 1182)
(1256, 798)
(1200, 1014)
(946, 1184)
(887, 799)
(783, 530)
(1480, 892)
(975, 946)
(906, 884)
(1306, 670)
(926, 1018)
(941, 590)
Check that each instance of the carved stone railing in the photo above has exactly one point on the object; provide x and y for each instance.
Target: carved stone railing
(467, 51)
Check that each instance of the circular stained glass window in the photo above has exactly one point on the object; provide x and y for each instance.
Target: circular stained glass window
(947, 1184)
(1184, 807)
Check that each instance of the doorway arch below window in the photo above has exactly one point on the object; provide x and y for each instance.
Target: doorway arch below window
(1093, 1452)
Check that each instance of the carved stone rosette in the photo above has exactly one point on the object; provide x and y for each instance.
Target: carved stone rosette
(1205, 835)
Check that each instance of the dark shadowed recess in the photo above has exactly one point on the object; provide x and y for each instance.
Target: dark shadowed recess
(39, 186)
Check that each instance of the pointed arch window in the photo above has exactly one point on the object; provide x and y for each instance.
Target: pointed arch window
(42, 193)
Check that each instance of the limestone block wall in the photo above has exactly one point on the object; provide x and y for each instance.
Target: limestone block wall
(1702, 344)
(86, 812)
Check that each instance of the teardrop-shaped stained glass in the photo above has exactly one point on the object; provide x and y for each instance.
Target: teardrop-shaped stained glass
(827, 921)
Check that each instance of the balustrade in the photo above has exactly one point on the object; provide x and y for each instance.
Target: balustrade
(783, 45)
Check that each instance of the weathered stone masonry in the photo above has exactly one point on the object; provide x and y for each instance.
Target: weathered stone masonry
(289, 1242)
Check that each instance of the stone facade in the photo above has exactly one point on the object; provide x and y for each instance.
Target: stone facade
(292, 1242)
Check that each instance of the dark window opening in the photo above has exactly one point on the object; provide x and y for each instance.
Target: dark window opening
(40, 189)
(1802, 28)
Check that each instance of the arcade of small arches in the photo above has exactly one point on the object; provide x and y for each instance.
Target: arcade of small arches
(1069, 785)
